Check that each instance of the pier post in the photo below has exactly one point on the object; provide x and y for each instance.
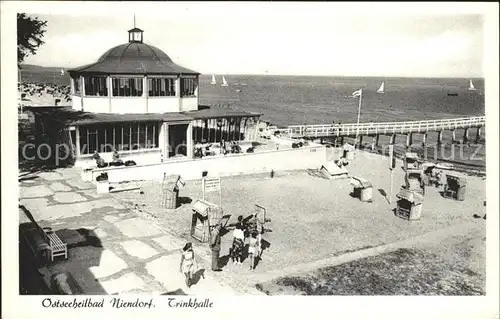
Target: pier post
(424, 140)
(392, 139)
(408, 140)
(360, 141)
(466, 135)
(478, 134)
(377, 137)
(440, 138)
(454, 136)
(342, 140)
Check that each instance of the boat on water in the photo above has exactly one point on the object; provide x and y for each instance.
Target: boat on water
(381, 88)
(224, 82)
(452, 94)
(62, 72)
(213, 80)
(471, 86)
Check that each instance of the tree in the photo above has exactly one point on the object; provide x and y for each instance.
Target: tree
(30, 31)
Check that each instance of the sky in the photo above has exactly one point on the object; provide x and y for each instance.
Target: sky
(282, 38)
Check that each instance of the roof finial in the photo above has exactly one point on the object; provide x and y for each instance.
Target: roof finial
(134, 20)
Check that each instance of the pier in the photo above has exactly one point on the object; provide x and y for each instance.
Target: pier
(389, 128)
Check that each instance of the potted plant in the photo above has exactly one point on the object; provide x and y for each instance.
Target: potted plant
(102, 183)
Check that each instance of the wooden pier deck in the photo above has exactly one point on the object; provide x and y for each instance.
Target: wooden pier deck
(382, 128)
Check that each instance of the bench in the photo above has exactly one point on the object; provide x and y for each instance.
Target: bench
(58, 248)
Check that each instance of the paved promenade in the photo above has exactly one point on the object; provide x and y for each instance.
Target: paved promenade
(111, 249)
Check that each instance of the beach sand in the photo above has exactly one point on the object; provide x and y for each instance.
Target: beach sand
(314, 219)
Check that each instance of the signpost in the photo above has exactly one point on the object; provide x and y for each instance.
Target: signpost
(391, 168)
(211, 184)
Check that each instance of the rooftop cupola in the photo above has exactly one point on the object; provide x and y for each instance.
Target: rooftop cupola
(135, 35)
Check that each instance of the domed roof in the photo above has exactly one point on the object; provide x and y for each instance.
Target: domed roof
(134, 57)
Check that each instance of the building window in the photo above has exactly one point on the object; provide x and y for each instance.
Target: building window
(161, 86)
(188, 86)
(96, 86)
(122, 137)
(77, 85)
(127, 87)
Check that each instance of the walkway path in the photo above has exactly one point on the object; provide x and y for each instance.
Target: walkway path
(111, 249)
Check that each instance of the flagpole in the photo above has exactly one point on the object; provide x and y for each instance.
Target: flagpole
(359, 113)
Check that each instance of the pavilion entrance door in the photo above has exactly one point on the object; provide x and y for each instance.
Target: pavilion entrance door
(177, 139)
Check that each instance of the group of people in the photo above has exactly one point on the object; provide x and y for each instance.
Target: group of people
(249, 229)
(201, 150)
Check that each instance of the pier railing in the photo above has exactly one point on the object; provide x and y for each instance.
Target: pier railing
(328, 130)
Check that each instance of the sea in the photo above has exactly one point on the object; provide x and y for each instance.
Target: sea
(289, 100)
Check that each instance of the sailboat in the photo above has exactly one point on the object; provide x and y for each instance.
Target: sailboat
(62, 72)
(381, 88)
(471, 86)
(213, 79)
(224, 83)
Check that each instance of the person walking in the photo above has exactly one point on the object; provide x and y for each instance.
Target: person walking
(215, 242)
(188, 263)
(252, 249)
(238, 244)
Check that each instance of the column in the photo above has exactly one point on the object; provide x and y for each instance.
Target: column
(374, 141)
(245, 129)
(424, 140)
(478, 135)
(163, 138)
(440, 138)
(453, 136)
(466, 135)
(377, 138)
(189, 140)
(110, 92)
(256, 129)
(178, 92)
(145, 93)
(77, 142)
(82, 92)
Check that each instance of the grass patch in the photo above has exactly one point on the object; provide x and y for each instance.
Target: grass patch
(401, 272)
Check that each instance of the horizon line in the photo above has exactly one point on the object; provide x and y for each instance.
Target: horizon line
(304, 75)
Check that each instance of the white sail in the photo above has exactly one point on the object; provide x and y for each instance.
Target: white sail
(471, 86)
(224, 83)
(381, 88)
(213, 79)
(62, 72)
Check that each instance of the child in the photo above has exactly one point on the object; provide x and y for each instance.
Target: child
(188, 263)
(252, 249)
(238, 243)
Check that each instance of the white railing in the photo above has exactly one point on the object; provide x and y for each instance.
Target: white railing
(323, 130)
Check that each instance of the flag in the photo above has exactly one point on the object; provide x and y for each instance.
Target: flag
(357, 93)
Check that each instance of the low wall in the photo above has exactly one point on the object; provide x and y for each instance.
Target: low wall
(308, 157)
(142, 157)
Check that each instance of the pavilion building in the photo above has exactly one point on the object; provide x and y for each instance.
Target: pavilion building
(136, 100)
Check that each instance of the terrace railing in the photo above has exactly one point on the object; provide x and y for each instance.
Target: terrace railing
(329, 130)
